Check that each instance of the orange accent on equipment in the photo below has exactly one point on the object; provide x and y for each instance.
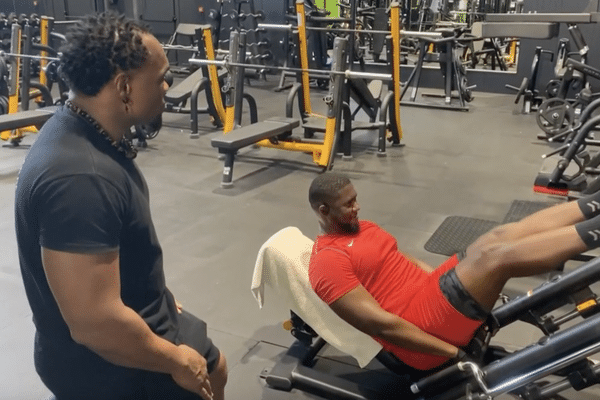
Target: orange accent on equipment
(303, 55)
(547, 190)
(214, 76)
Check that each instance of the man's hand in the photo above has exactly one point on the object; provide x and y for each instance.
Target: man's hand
(193, 374)
(463, 356)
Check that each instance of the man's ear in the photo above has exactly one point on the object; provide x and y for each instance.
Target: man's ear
(324, 209)
(122, 83)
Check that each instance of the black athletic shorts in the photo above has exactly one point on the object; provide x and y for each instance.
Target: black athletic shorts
(456, 294)
(72, 372)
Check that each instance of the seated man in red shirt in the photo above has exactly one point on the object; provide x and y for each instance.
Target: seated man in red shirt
(420, 314)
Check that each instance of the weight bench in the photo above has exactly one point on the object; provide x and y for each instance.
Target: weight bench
(231, 142)
(189, 88)
(22, 119)
(196, 82)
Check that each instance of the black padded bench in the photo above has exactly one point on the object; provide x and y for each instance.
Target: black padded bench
(231, 142)
(182, 91)
(22, 119)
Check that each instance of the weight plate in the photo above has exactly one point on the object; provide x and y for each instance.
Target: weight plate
(149, 130)
(555, 116)
(552, 88)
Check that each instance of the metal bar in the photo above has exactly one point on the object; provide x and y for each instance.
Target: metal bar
(548, 355)
(347, 73)
(414, 34)
(239, 81)
(69, 22)
(16, 55)
(15, 69)
(26, 69)
(230, 82)
(179, 47)
(557, 387)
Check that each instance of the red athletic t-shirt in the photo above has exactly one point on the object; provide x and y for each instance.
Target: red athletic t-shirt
(370, 257)
(339, 263)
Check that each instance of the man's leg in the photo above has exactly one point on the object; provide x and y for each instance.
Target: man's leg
(218, 379)
(548, 219)
(490, 262)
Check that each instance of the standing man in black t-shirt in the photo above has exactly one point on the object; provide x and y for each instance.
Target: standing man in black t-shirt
(106, 325)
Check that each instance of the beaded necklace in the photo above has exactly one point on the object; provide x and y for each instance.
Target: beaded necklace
(124, 145)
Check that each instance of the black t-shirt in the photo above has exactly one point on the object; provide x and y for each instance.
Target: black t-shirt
(77, 193)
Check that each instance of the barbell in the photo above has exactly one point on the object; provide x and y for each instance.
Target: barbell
(5, 55)
(349, 74)
(411, 34)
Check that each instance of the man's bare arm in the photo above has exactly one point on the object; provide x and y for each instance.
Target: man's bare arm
(87, 289)
(361, 310)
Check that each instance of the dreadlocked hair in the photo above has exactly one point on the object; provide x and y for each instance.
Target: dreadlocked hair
(97, 47)
(325, 187)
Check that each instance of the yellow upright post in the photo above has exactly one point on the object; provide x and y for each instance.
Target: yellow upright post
(213, 75)
(15, 68)
(44, 40)
(13, 93)
(512, 55)
(395, 29)
(301, 15)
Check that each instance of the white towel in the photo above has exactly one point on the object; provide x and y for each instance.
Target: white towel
(282, 265)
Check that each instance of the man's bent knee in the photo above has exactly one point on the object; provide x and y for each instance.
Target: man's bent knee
(493, 236)
(489, 257)
(218, 376)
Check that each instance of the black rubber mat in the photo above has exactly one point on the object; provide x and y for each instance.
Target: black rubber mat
(519, 209)
(456, 233)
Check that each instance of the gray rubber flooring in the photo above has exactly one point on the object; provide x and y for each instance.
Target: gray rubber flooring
(471, 164)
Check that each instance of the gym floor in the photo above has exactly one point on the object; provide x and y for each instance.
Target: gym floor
(471, 164)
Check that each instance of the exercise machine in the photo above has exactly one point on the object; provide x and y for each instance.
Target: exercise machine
(564, 310)
(451, 67)
(277, 133)
(204, 79)
(575, 164)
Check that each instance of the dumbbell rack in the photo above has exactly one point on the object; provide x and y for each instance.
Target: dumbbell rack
(244, 17)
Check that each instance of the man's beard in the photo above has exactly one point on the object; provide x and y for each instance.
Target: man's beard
(349, 227)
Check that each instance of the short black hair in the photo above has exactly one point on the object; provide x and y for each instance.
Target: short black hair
(97, 46)
(325, 187)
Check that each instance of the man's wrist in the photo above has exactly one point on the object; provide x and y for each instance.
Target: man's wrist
(179, 361)
(460, 355)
